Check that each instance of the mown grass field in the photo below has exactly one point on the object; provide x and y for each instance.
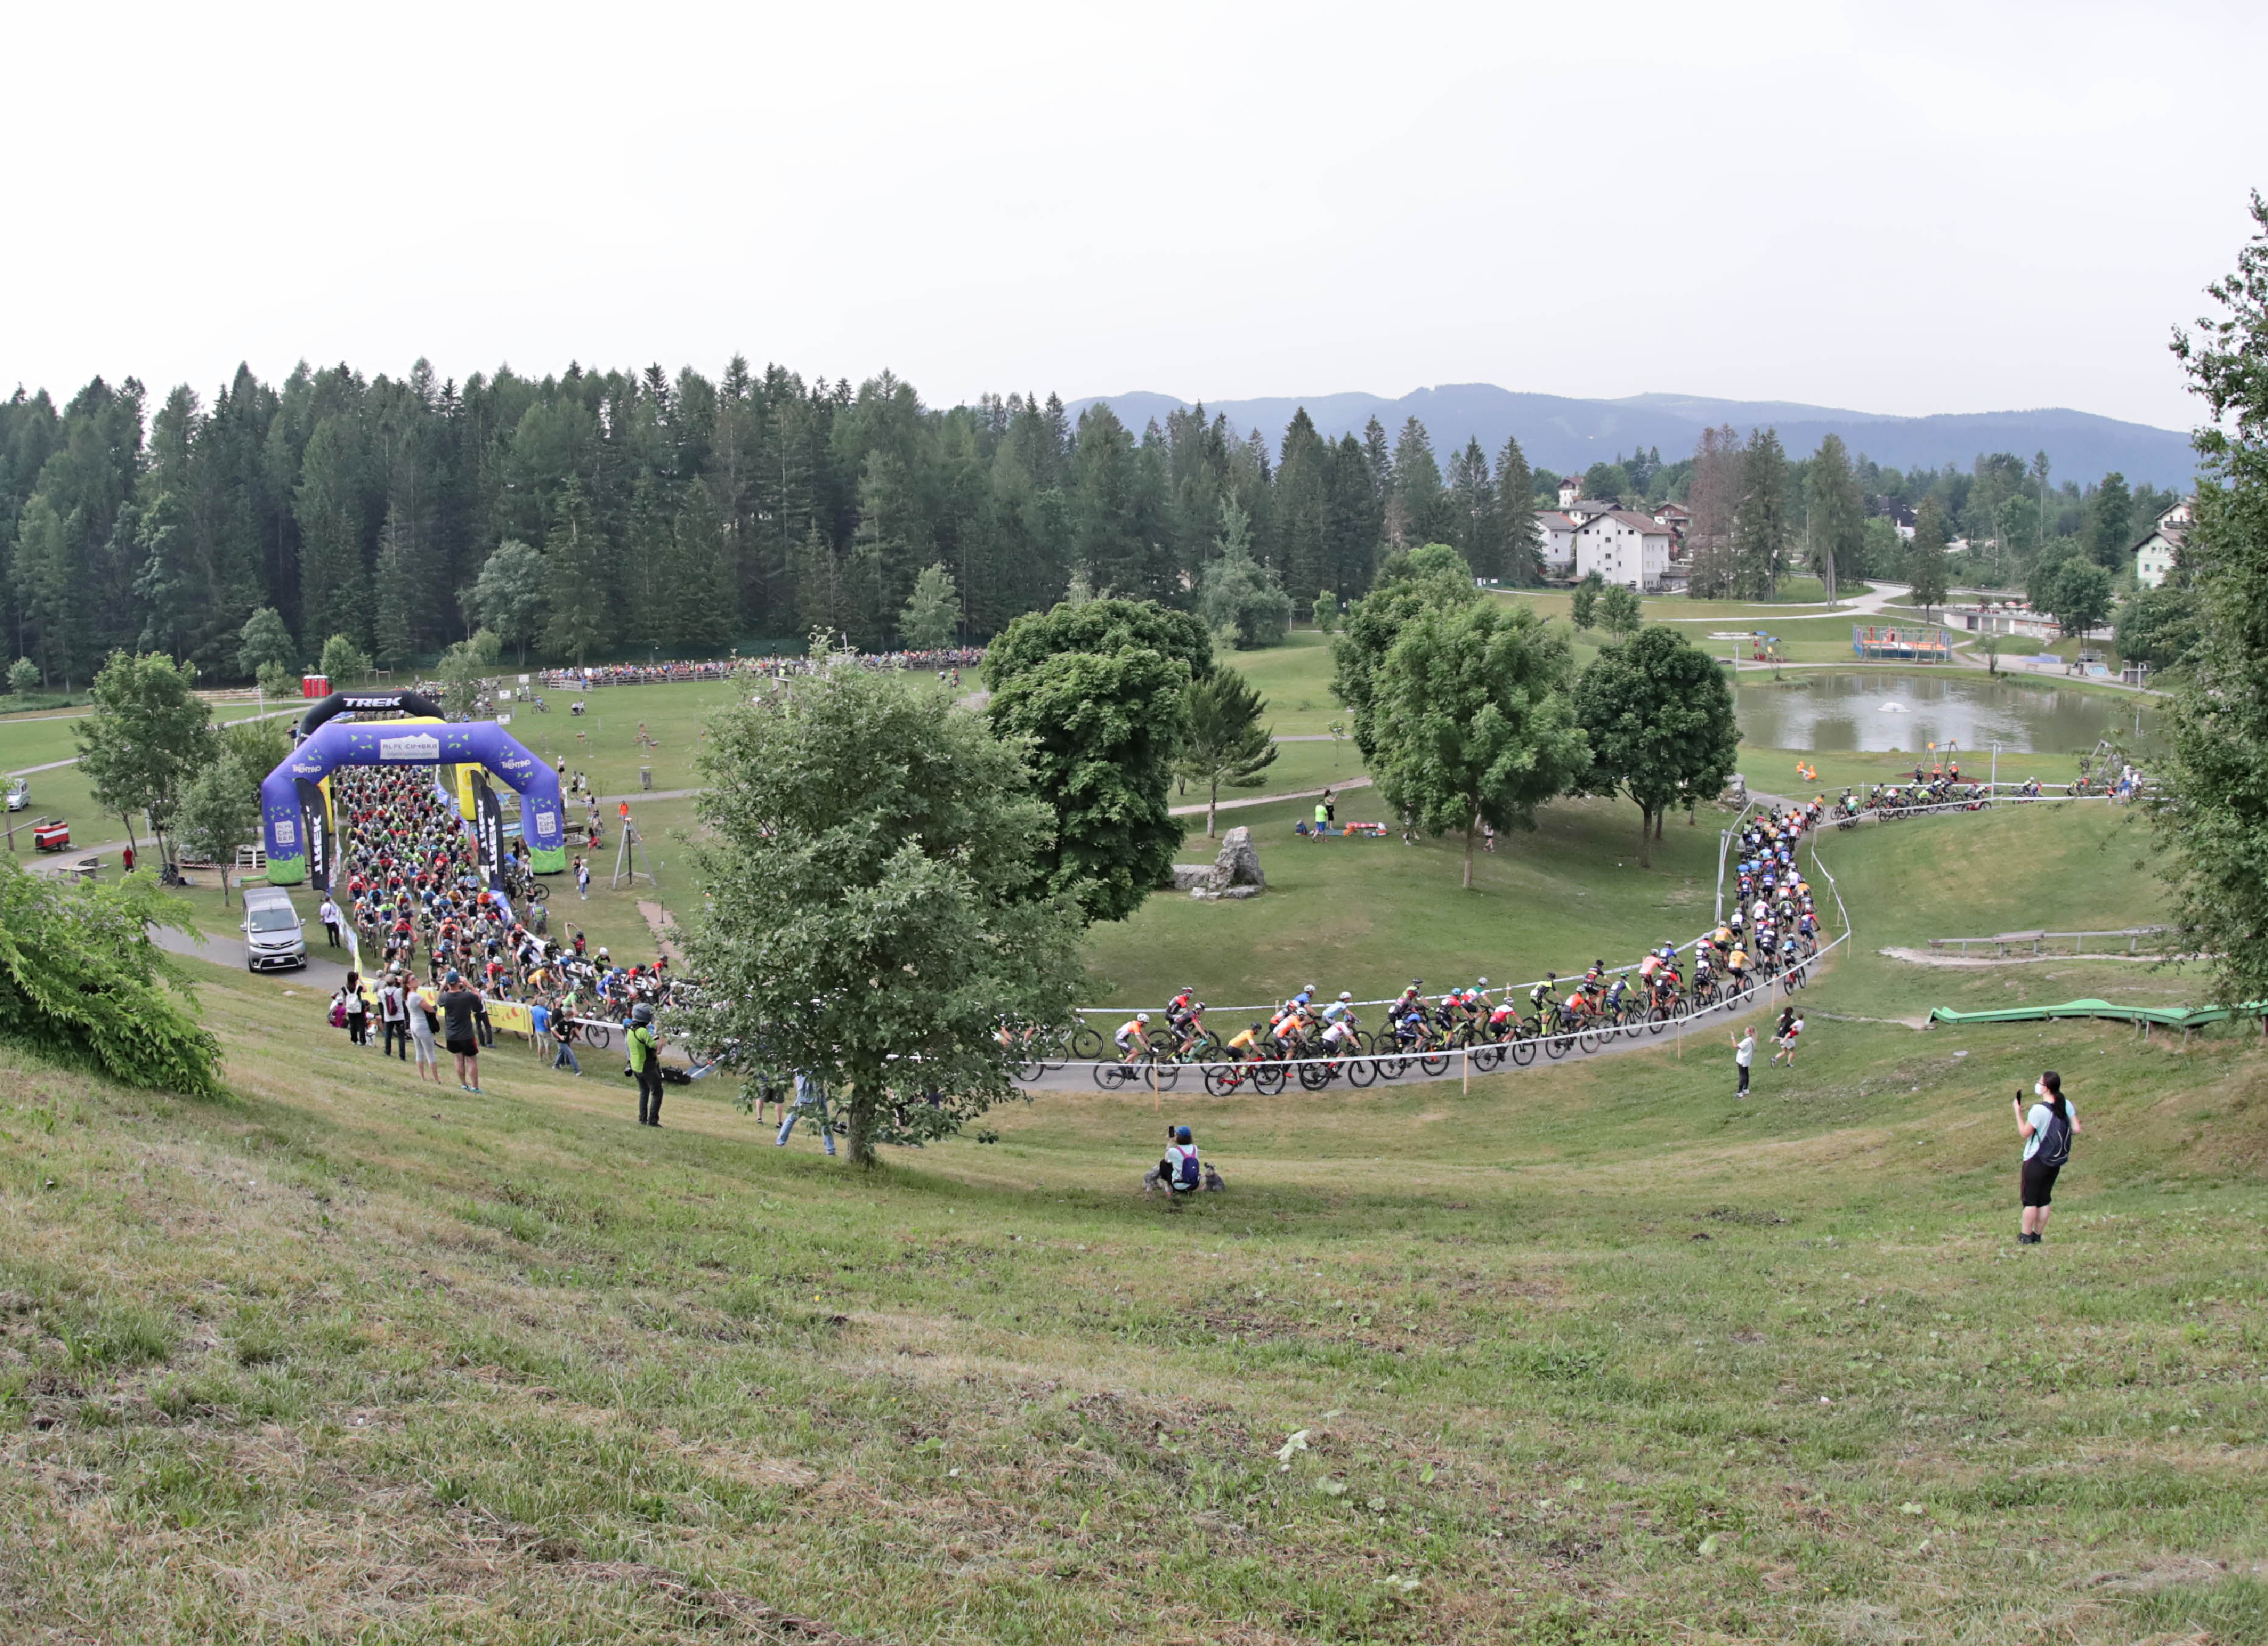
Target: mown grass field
(1592, 1354)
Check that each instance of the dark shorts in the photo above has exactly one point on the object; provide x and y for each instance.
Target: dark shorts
(2039, 1183)
(464, 1048)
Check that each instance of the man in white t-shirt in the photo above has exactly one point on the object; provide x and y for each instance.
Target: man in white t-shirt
(1744, 1052)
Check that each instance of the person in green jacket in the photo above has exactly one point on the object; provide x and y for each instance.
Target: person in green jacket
(1322, 818)
(645, 1063)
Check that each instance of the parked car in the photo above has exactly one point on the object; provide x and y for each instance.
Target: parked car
(274, 933)
(19, 794)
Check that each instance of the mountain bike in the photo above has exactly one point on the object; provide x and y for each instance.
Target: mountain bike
(1157, 1065)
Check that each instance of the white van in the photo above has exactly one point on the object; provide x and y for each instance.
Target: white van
(274, 933)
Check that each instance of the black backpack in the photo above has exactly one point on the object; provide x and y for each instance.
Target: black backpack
(2055, 1140)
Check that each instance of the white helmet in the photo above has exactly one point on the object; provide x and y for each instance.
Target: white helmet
(1346, 994)
(1141, 1017)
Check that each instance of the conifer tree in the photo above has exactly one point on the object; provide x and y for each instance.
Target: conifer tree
(575, 551)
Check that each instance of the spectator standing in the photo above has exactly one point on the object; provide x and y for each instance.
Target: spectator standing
(459, 1007)
(538, 1021)
(1744, 1052)
(421, 1038)
(126, 859)
(809, 1094)
(645, 1050)
(564, 1030)
(328, 914)
(357, 1011)
(583, 879)
(2047, 1131)
(393, 1013)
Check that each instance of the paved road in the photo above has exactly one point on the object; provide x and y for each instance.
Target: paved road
(1197, 810)
(323, 974)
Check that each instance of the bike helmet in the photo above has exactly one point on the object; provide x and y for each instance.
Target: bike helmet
(1551, 977)
(1417, 982)
(1141, 1017)
(1482, 984)
(1257, 1027)
(1345, 995)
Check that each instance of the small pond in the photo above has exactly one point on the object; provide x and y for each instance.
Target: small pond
(1870, 711)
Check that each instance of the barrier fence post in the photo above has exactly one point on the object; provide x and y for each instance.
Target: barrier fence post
(1468, 1071)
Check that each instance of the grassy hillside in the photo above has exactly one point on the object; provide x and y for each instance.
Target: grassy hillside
(1592, 1354)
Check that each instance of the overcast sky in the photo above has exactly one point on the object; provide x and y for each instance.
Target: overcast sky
(1906, 208)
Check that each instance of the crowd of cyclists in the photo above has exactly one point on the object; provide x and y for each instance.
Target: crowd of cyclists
(410, 883)
(1768, 939)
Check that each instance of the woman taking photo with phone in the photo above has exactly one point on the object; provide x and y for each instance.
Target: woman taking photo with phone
(2047, 1131)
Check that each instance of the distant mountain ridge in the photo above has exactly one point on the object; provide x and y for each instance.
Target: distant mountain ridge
(1566, 434)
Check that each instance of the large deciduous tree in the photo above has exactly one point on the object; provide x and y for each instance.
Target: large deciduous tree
(879, 909)
(265, 640)
(1658, 714)
(511, 595)
(2214, 824)
(931, 612)
(221, 810)
(1098, 691)
(1435, 575)
(1483, 727)
(80, 982)
(148, 736)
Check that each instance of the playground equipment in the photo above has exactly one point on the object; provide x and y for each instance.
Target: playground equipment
(295, 812)
(1905, 643)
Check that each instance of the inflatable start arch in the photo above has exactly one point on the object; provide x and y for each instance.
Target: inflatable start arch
(294, 813)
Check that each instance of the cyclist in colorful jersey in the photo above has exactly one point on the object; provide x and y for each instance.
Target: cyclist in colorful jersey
(1544, 997)
(1340, 1009)
(1613, 999)
(1191, 1029)
(1133, 1036)
(1247, 1043)
(1736, 968)
(1409, 997)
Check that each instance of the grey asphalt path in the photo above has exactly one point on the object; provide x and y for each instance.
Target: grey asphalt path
(323, 974)
(1197, 810)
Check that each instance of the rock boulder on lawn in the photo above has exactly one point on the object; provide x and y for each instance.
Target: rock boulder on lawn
(1235, 872)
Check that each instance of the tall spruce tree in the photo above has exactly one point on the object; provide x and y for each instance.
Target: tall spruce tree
(1838, 517)
(1761, 534)
(575, 554)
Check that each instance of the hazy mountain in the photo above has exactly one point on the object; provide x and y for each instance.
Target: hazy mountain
(1564, 434)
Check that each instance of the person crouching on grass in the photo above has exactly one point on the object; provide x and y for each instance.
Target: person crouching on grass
(1180, 1172)
(2047, 1131)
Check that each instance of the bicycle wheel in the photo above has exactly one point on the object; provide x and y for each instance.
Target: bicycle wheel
(1523, 1052)
(1166, 1073)
(1588, 1039)
(1392, 1066)
(1030, 1069)
(1315, 1077)
(1362, 1070)
(1434, 1063)
(1268, 1079)
(599, 1037)
(1488, 1056)
(1657, 1020)
(1555, 1044)
(1086, 1043)
(1110, 1076)
(1220, 1079)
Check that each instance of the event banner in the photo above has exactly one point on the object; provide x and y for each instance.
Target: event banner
(315, 818)
(488, 827)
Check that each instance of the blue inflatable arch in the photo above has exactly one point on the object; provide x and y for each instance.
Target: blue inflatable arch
(328, 743)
